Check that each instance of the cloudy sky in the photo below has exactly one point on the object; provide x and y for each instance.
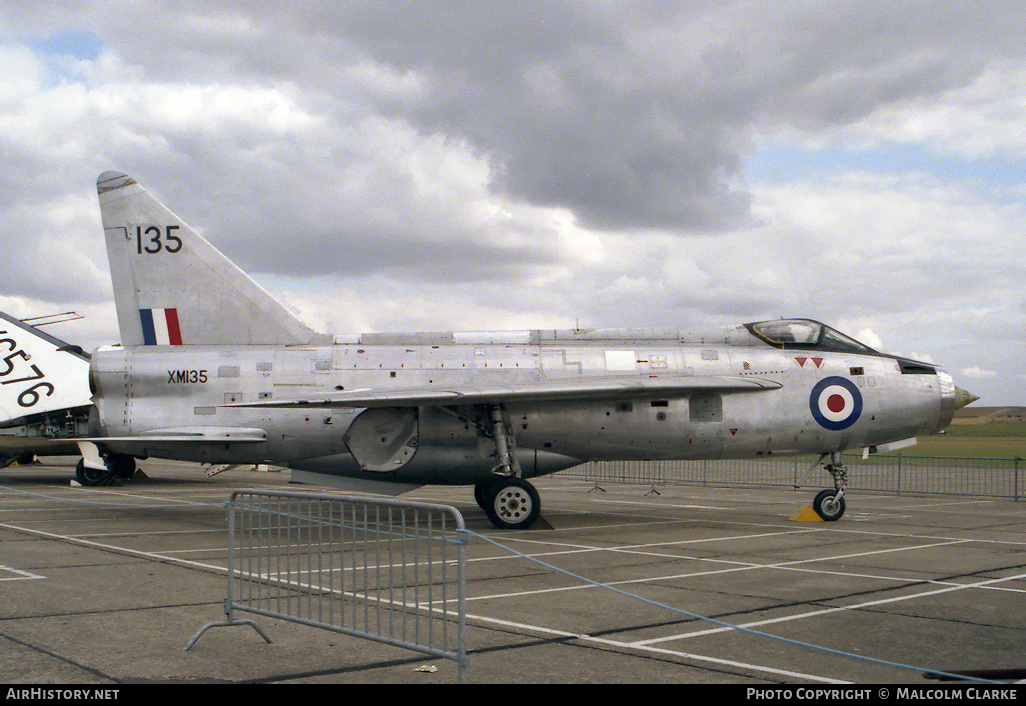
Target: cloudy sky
(399, 165)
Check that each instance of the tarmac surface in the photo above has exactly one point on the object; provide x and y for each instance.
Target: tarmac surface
(105, 586)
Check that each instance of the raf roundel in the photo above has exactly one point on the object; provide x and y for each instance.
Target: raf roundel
(835, 403)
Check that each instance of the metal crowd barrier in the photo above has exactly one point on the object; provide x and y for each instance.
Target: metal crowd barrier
(384, 570)
(891, 473)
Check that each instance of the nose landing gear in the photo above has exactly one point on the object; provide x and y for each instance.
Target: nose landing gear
(829, 504)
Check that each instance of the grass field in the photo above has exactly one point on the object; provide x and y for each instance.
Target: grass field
(996, 439)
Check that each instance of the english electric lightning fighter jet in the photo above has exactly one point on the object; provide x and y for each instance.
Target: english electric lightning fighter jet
(212, 369)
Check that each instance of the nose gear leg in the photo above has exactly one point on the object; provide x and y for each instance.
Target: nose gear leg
(839, 472)
(829, 504)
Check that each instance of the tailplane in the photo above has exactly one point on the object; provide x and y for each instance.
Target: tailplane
(172, 287)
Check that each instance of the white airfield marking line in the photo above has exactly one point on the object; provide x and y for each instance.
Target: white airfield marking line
(654, 650)
(630, 549)
(663, 506)
(1000, 588)
(634, 548)
(936, 503)
(737, 566)
(69, 520)
(587, 528)
(154, 533)
(827, 611)
(20, 575)
(114, 548)
(679, 542)
(138, 496)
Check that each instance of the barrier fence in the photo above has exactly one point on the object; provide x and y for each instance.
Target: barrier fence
(384, 570)
(989, 477)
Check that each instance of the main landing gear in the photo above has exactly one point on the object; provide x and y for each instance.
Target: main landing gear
(829, 504)
(509, 501)
(118, 467)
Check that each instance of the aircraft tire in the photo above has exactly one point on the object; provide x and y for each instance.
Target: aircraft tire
(828, 506)
(91, 477)
(121, 466)
(481, 495)
(511, 503)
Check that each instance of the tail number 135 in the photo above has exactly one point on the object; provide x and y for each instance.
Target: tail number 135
(154, 239)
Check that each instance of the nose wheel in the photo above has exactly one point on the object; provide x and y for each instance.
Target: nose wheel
(829, 504)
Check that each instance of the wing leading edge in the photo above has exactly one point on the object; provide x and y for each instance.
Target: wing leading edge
(618, 387)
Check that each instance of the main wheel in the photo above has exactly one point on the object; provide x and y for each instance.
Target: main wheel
(828, 506)
(91, 477)
(511, 503)
(481, 494)
(121, 466)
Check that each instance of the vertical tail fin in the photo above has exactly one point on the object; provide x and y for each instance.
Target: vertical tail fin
(172, 287)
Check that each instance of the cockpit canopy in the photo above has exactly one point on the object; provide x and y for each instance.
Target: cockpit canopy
(805, 334)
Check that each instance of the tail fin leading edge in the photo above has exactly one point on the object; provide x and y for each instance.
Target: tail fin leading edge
(172, 287)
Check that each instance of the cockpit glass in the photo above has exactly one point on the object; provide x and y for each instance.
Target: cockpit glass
(835, 340)
(806, 334)
(784, 331)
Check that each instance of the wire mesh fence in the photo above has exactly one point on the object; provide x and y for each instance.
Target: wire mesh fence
(897, 473)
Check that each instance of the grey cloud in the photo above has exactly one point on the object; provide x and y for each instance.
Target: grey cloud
(633, 116)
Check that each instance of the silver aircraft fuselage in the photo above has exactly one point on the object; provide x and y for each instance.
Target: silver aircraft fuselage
(750, 397)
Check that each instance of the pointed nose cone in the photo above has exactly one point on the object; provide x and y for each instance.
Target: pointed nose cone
(963, 398)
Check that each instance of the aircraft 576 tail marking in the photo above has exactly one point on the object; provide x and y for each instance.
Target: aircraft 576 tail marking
(44, 392)
(392, 411)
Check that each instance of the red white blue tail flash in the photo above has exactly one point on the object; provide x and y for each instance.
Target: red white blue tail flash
(160, 327)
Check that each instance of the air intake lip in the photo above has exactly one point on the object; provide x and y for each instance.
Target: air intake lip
(914, 367)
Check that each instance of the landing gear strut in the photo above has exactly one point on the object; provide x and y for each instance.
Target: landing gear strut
(829, 504)
(509, 501)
